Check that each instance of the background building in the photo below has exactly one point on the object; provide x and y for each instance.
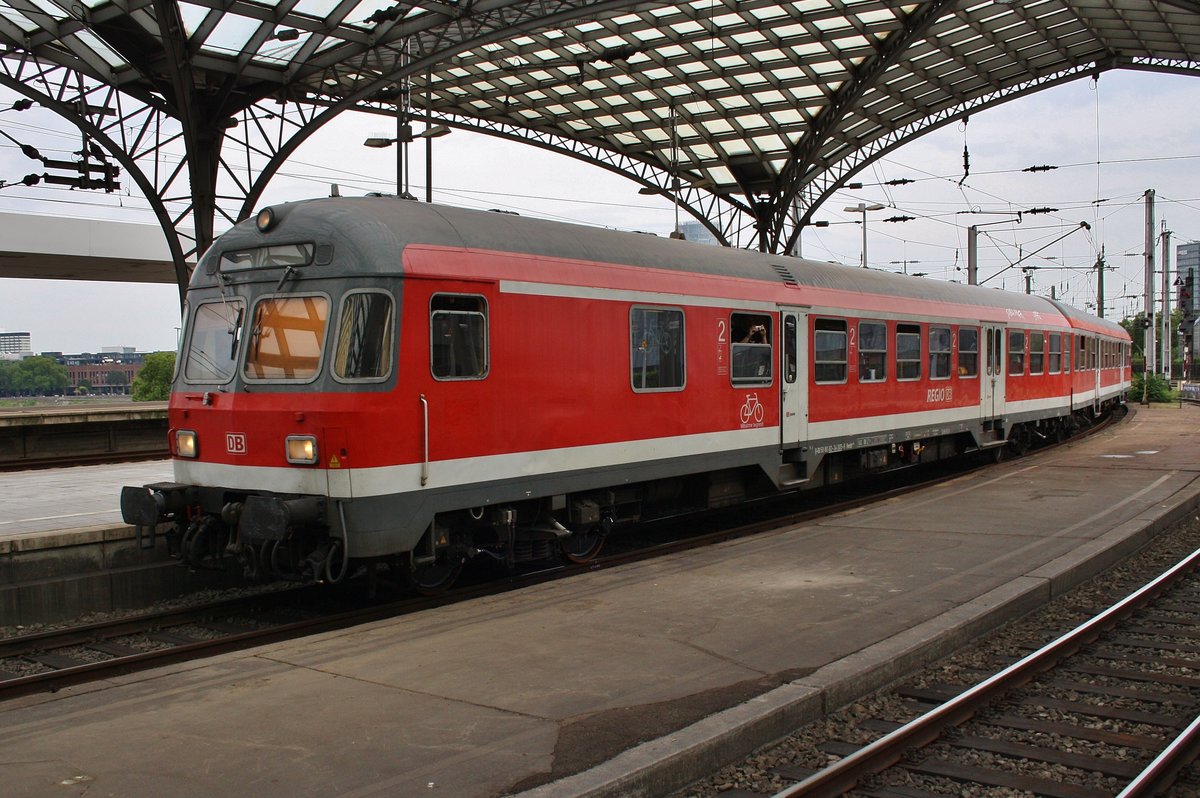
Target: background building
(16, 343)
(1187, 267)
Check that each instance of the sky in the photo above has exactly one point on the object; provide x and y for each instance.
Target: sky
(1111, 139)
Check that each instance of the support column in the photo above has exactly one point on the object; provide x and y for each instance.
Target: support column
(1148, 345)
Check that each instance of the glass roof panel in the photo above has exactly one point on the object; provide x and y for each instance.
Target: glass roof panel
(231, 34)
(192, 16)
(20, 20)
(318, 9)
(282, 52)
(749, 38)
(100, 48)
(55, 12)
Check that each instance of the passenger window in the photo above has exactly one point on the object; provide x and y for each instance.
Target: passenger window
(364, 341)
(830, 353)
(1037, 353)
(752, 352)
(656, 345)
(791, 349)
(939, 353)
(908, 352)
(872, 351)
(458, 337)
(212, 350)
(1055, 342)
(1016, 353)
(287, 338)
(968, 352)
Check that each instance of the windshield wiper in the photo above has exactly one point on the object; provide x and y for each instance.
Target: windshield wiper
(288, 272)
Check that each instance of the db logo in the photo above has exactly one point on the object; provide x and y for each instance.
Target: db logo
(235, 442)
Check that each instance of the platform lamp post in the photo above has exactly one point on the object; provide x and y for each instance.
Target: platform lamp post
(404, 137)
(862, 208)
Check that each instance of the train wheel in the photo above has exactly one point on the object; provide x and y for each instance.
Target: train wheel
(581, 547)
(432, 578)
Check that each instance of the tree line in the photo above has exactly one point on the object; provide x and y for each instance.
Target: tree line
(44, 376)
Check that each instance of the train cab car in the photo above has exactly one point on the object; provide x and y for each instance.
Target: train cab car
(375, 380)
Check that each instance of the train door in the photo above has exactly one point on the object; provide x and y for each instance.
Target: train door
(793, 415)
(991, 388)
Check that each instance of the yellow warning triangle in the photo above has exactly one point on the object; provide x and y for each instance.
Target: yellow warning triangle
(334, 462)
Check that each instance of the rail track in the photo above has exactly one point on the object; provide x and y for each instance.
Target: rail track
(1109, 708)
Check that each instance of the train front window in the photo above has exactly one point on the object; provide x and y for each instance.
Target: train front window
(287, 337)
(275, 256)
(212, 347)
(458, 337)
(364, 340)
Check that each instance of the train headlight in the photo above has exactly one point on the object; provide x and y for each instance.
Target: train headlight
(265, 220)
(302, 449)
(185, 443)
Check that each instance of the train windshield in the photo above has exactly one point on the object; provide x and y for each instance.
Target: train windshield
(287, 338)
(213, 346)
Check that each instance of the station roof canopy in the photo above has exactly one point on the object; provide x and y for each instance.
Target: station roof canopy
(757, 106)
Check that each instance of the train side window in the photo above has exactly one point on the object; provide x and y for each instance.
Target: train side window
(287, 338)
(458, 337)
(939, 353)
(364, 337)
(968, 352)
(908, 352)
(751, 350)
(213, 339)
(1037, 352)
(656, 349)
(1054, 341)
(872, 351)
(830, 351)
(791, 349)
(1081, 355)
(1016, 352)
(1066, 353)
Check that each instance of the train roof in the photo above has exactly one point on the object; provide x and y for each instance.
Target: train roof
(376, 228)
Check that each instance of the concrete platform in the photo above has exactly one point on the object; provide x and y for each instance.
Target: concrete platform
(51, 500)
(656, 671)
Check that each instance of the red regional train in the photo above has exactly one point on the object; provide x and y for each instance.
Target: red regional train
(377, 380)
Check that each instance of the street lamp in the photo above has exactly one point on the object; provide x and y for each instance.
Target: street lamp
(862, 208)
(404, 137)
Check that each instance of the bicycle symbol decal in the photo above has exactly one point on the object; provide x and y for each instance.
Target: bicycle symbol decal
(751, 409)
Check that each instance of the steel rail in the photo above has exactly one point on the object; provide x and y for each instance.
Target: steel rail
(1160, 774)
(844, 775)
